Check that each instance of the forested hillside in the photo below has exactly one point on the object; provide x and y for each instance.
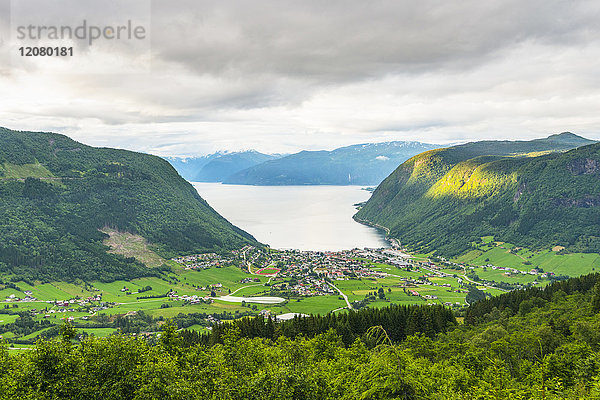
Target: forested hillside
(57, 193)
(530, 344)
(445, 199)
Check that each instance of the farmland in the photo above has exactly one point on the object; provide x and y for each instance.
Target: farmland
(195, 287)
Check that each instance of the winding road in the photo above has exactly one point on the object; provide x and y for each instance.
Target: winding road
(261, 300)
(343, 295)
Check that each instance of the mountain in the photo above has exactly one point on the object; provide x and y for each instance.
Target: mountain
(218, 166)
(446, 198)
(56, 194)
(188, 167)
(360, 164)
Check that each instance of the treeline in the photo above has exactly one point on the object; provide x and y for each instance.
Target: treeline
(24, 325)
(512, 301)
(140, 322)
(397, 320)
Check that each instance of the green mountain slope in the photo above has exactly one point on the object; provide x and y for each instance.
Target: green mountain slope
(57, 193)
(360, 164)
(444, 199)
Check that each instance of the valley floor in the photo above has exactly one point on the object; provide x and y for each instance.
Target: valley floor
(270, 282)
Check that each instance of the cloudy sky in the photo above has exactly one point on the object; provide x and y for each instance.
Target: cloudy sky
(280, 76)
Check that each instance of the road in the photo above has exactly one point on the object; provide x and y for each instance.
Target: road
(479, 283)
(260, 300)
(247, 286)
(465, 278)
(343, 295)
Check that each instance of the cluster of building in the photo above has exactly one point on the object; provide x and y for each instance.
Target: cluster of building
(250, 280)
(13, 298)
(192, 299)
(81, 302)
(510, 271)
(202, 261)
(306, 286)
(307, 273)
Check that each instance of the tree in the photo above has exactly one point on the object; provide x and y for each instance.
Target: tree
(596, 297)
(474, 295)
(169, 337)
(67, 332)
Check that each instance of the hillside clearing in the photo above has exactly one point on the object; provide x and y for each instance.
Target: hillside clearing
(130, 245)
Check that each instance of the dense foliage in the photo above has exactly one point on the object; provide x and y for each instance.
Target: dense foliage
(398, 321)
(518, 300)
(549, 349)
(445, 199)
(56, 194)
(360, 164)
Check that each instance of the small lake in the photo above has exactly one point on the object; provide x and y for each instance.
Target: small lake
(295, 217)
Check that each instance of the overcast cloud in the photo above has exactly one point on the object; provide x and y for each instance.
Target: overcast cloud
(280, 76)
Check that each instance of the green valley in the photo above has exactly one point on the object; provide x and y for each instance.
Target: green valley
(202, 290)
(109, 249)
(534, 343)
(59, 197)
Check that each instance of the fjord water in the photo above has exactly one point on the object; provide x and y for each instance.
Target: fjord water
(295, 217)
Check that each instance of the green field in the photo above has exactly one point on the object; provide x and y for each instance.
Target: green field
(267, 271)
(100, 332)
(499, 254)
(124, 297)
(313, 305)
(216, 307)
(121, 302)
(357, 289)
(35, 334)
(34, 170)
(197, 327)
(254, 290)
(7, 318)
(504, 276)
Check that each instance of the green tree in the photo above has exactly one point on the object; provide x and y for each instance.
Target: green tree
(596, 297)
(169, 337)
(67, 332)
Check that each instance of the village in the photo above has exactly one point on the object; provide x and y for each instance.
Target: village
(282, 274)
(295, 273)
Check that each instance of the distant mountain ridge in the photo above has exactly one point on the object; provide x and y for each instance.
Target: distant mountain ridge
(188, 167)
(445, 199)
(56, 194)
(360, 164)
(218, 166)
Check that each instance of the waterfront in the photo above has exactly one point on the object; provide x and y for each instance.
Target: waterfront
(295, 217)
